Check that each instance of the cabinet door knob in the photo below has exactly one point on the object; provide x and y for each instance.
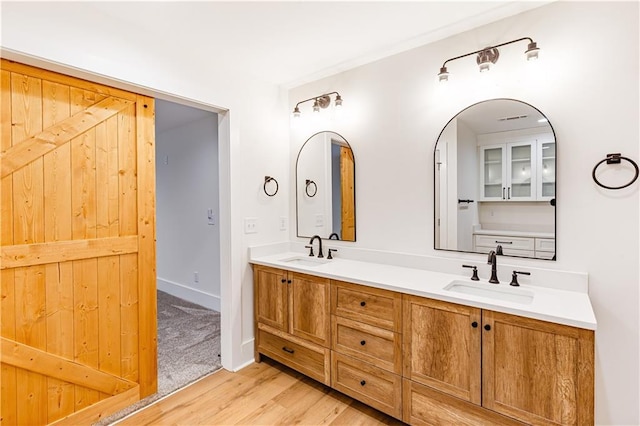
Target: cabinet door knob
(284, 280)
(474, 324)
(363, 303)
(487, 327)
(288, 281)
(362, 383)
(288, 350)
(362, 342)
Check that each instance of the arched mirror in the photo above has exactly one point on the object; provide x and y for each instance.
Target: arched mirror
(495, 181)
(325, 188)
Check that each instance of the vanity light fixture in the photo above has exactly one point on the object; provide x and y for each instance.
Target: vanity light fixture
(321, 101)
(488, 56)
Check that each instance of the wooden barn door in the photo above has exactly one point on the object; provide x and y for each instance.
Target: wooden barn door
(78, 299)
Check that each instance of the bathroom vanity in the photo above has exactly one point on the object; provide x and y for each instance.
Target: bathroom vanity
(429, 347)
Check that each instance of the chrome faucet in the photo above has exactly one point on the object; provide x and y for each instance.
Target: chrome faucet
(319, 245)
(494, 267)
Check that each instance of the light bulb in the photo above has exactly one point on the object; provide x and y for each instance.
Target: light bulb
(443, 75)
(532, 51)
(338, 102)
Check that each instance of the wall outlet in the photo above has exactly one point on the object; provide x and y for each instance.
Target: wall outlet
(250, 225)
(196, 277)
(319, 221)
(283, 223)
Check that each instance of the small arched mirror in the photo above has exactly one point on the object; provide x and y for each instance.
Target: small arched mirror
(325, 188)
(495, 181)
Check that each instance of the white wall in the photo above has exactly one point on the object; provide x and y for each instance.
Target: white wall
(314, 163)
(186, 187)
(396, 109)
(467, 185)
(76, 39)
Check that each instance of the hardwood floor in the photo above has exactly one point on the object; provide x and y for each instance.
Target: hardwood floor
(261, 394)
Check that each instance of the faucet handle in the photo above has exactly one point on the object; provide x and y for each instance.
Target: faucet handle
(329, 256)
(310, 250)
(514, 277)
(474, 276)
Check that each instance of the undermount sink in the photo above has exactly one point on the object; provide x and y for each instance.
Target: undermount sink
(509, 294)
(304, 261)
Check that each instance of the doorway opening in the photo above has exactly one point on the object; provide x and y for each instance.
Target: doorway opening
(188, 244)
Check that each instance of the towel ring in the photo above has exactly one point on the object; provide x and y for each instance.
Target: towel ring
(615, 159)
(268, 179)
(309, 182)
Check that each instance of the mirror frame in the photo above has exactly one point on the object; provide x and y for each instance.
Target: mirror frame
(354, 187)
(553, 203)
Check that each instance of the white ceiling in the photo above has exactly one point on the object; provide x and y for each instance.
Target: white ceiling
(171, 114)
(292, 42)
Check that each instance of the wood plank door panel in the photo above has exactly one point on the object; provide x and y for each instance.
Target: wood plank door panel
(77, 232)
(348, 194)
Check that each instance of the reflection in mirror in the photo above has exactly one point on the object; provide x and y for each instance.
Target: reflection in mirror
(325, 188)
(495, 181)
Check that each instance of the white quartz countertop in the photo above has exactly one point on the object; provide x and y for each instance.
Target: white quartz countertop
(558, 306)
(525, 234)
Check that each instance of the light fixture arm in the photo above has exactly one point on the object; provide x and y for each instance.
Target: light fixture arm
(320, 101)
(317, 97)
(485, 49)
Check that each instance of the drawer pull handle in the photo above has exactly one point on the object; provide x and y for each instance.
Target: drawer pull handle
(474, 324)
(504, 242)
(362, 342)
(363, 303)
(487, 327)
(288, 350)
(362, 383)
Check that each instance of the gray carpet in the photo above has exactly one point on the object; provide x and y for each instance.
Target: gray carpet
(188, 348)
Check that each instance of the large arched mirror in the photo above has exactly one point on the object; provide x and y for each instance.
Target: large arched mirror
(495, 181)
(325, 188)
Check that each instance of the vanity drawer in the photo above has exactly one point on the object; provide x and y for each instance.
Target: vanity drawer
(365, 342)
(381, 308)
(545, 244)
(373, 386)
(515, 243)
(307, 358)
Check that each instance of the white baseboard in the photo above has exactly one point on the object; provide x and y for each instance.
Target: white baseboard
(247, 354)
(190, 294)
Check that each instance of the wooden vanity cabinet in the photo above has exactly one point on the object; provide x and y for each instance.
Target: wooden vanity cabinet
(425, 361)
(293, 320)
(457, 358)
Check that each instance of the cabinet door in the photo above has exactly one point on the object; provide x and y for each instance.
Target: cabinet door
(493, 179)
(521, 166)
(309, 308)
(537, 372)
(271, 297)
(546, 170)
(441, 344)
